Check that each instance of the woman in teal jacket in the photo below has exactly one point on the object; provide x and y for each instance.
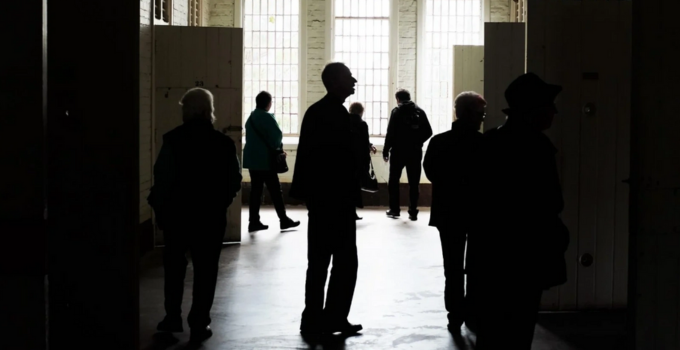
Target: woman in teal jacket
(263, 135)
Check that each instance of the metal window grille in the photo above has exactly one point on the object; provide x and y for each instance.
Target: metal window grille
(362, 42)
(519, 11)
(271, 30)
(195, 7)
(162, 10)
(447, 23)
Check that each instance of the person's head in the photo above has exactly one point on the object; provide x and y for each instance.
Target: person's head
(357, 108)
(532, 101)
(338, 80)
(470, 108)
(197, 104)
(402, 96)
(263, 101)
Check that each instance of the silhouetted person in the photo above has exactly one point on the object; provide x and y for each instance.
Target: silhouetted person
(519, 250)
(449, 165)
(326, 178)
(196, 178)
(407, 131)
(263, 137)
(363, 144)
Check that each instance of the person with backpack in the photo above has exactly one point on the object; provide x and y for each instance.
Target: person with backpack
(263, 137)
(407, 131)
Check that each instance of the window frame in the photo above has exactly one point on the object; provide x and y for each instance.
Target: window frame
(393, 25)
(197, 7)
(302, 57)
(169, 10)
(421, 50)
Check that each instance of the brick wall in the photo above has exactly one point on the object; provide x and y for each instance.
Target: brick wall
(220, 13)
(316, 49)
(180, 12)
(145, 86)
(500, 10)
(407, 44)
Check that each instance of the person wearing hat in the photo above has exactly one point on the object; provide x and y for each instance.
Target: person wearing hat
(517, 249)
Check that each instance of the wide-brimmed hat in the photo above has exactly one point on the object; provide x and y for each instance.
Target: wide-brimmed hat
(529, 92)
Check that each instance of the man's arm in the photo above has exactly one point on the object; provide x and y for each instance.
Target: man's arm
(432, 162)
(390, 135)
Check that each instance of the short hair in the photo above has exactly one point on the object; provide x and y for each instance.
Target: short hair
(466, 102)
(331, 72)
(197, 103)
(403, 95)
(263, 99)
(356, 108)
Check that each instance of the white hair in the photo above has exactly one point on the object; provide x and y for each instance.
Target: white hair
(466, 102)
(197, 103)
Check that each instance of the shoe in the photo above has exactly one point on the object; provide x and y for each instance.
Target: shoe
(453, 329)
(345, 329)
(357, 217)
(288, 223)
(310, 331)
(413, 214)
(393, 214)
(257, 226)
(171, 325)
(199, 335)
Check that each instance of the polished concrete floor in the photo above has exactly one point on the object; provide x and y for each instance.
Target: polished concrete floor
(398, 298)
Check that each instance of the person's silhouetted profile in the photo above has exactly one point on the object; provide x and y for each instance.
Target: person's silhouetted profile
(196, 178)
(449, 165)
(519, 249)
(326, 178)
(263, 137)
(407, 131)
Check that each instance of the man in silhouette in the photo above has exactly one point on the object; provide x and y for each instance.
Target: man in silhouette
(196, 177)
(407, 131)
(449, 164)
(519, 248)
(326, 178)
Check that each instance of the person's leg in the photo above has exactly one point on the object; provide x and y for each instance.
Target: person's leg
(205, 256)
(454, 290)
(396, 168)
(174, 264)
(413, 172)
(256, 190)
(271, 180)
(344, 273)
(318, 259)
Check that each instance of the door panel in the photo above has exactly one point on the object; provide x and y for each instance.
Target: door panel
(585, 47)
(210, 58)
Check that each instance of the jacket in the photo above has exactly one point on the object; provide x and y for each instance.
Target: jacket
(196, 177)
(326, 173)
(520, 236)
(449, 165)
(401, 136)
(256, 152)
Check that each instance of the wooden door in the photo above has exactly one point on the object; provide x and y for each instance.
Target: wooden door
(585, 47)
(211, 58)
(504, 60)
(468, 69)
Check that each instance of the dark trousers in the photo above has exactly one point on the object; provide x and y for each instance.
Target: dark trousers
(453, 250)
(412, 161)
(331, 234)
(205, 246)
(509, 317)
(258, 179)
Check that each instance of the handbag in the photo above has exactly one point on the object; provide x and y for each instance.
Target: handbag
(277, 160)
(369, 183)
